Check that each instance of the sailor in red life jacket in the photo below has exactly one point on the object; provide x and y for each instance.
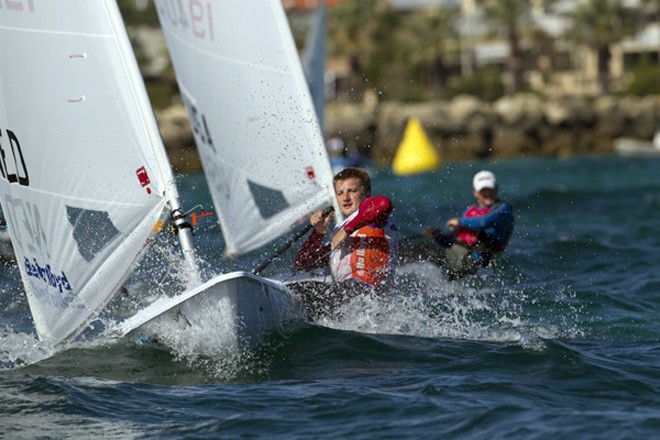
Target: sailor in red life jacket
(363, 251)
(482, 232)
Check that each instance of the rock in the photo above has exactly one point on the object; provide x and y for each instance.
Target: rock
(178, 138)
(523, 110)
(610, 119)
(465, 127)
(641, 114)
(149, 45)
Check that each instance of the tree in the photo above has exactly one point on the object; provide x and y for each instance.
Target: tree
(599, 24)
(362, 31)
(424, 42)
(511, 16)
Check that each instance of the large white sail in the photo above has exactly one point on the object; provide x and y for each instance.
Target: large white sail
(253, 119)
(84, 176)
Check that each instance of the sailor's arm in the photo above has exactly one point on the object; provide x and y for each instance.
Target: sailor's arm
(312, 254)
(500, 215)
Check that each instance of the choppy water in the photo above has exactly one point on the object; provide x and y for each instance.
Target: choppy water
(561, 337)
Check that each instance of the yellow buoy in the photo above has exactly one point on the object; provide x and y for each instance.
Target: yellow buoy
(415, 154)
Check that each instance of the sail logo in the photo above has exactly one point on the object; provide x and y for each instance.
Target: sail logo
(143, 178)
(311, 174)
(12, 161)
(17, 5)
(45, 274)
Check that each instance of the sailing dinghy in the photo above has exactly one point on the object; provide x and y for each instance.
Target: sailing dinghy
(85, 180)
(638, 147)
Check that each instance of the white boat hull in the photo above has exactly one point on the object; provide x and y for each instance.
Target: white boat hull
(636, 147)
(240, 308)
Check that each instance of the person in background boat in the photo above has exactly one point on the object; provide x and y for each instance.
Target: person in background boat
(362, 255)
(341, 156)
(482, 232)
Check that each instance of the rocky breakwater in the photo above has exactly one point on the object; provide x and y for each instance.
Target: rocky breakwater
(178, 138)
(521, 125)
(465, 127)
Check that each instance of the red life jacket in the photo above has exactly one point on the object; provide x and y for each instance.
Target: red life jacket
(370, 255)
(471, 236)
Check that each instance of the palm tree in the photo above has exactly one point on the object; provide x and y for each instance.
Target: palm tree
(424, 42)
(511, 16)
(599, 24)
(361, 30)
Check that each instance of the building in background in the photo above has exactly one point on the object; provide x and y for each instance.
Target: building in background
(551, 61)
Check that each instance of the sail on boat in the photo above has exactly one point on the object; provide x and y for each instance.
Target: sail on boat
(84, 175)
(254, 123)
(84, 178)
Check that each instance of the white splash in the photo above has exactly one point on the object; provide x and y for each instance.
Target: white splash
(425, 304)
(20, 349)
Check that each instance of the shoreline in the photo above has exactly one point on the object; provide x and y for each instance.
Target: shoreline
(465, 128)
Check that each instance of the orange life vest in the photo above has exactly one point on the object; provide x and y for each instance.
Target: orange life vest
(367, 255)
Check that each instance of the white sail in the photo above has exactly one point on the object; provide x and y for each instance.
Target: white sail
(254, 123)
(314, 61)
(84, 176)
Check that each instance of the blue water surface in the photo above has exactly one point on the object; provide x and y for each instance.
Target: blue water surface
(561, 337)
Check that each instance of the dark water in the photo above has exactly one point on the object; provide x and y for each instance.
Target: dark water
(560, 338)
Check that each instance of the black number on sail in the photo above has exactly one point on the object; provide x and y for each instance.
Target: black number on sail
(12, 162)
(199, 125)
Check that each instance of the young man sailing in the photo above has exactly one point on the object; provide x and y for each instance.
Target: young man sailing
(362, 254)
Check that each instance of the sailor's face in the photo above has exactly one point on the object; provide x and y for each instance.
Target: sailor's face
(349, 194)
(486, 197)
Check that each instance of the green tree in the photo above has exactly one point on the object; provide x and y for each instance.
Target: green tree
(599, 24)
(362, 30)
(510, 16)
(645, 80)
(426, 40)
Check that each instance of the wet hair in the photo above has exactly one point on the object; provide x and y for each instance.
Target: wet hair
(355, 173)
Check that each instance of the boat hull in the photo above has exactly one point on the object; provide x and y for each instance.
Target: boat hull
(635, 147)
(238, 308)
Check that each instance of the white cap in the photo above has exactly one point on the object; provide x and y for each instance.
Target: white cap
(335, 144)
(484, 179)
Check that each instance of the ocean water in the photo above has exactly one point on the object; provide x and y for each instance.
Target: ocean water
(561, 337)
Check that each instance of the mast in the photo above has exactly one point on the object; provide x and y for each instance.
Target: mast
(183, 228)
